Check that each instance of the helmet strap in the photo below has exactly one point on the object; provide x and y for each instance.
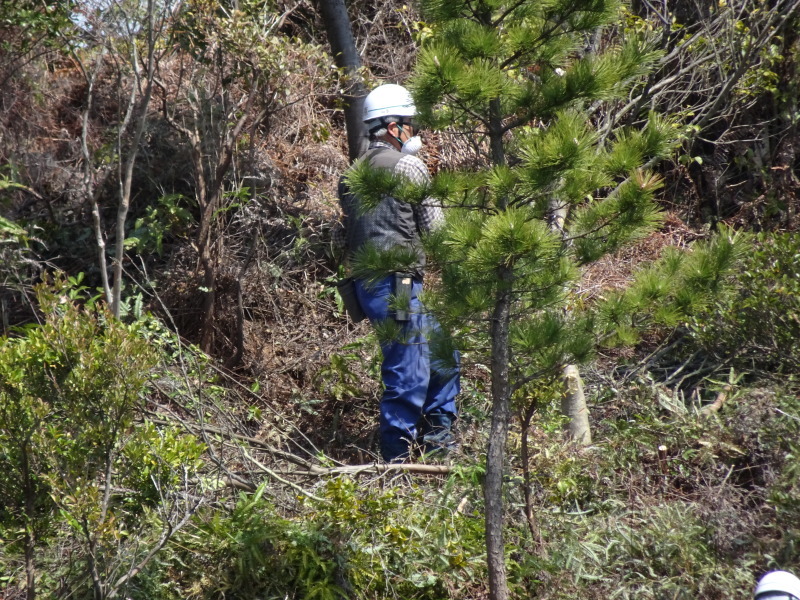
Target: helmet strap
(397, 137)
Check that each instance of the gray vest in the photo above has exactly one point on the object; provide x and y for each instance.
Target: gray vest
(391, 223)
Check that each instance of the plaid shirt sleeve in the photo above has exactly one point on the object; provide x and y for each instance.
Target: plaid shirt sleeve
(428, 214)
(338, 235)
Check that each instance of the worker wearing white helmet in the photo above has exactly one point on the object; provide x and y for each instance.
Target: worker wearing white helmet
(418, 402)
(778, 585)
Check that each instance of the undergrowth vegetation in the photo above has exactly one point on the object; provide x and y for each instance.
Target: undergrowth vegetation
(757, 326)
(103, 463)
(670, 505)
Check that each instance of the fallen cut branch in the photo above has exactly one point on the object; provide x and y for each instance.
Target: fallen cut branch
(310, 470)
(261, 444)
(379, 468)
(278, 478)
(717, 404)
(238, 483)
(314, 471)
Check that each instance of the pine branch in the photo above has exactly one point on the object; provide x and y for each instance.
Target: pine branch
(499, 20)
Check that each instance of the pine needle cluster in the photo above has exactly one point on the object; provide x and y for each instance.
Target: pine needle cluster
(673, 289)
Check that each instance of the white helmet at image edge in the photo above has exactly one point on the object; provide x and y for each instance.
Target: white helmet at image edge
(388, 100)
(778, 584)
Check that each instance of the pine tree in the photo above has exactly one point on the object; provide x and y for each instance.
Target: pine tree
(529, 86)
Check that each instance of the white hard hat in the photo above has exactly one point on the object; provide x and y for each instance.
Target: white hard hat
(388, 100)
(778, 584)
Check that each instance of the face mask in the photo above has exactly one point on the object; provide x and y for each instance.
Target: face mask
(411, 146)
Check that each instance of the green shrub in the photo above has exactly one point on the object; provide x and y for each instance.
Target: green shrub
(355, 542)
(78, 468)
(758, 326)
(779, 439)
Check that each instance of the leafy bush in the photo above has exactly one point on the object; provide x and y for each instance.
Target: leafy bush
(758, 326)
(165, 219)
(75, 465)
(349, 542)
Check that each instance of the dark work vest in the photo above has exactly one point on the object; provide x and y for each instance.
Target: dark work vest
(391, 223)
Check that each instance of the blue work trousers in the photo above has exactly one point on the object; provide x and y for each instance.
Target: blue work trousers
(416, 388)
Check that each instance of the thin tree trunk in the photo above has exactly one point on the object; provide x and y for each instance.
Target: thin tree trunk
(204, 234)
(345, 55)
(90, 185)
(557, 211)
(239, 334)
(495, 455)
(126, 178)
(207, 199)
(501, 397)
(208, 260)
(526, 419)
(211, 199)
(94, 572)
(4, 315)
(496, 148)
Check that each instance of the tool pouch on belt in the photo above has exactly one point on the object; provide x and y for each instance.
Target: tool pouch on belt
(402, 293)
(347, 292)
